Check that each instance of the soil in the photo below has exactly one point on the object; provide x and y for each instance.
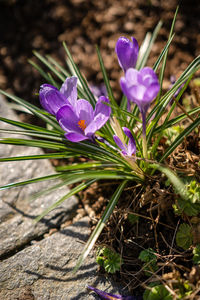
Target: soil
(43, 26)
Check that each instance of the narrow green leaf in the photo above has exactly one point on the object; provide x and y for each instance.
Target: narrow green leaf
(30, 181)
(87, 165)
(158, 109)
(150, 134)
(49, 65)
(180, 138)
(82, 80)
(177, 119)
(63, 70)
(165, 57)
(73, 191)
(95, 234)
(106, 80)
(34, 143)
(146, 47)
(39, 69)
(162, 54)
(32, 108)
(30, 126)
(41, 156)
(33, 133)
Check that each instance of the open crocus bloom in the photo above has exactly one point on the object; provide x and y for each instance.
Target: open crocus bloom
(53, 99)
(140, 87)
(108, 296)
(127, 52)
(81, 121)
(129, 149)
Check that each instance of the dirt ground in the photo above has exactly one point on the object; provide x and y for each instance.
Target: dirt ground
(44, 25)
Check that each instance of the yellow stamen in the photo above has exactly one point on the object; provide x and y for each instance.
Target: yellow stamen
(82, 124)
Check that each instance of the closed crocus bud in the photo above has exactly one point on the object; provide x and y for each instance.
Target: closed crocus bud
(127, 52)
(126, 149)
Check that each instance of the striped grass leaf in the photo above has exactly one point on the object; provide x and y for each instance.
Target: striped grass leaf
(146, 47)
(34, 143)
(178, 119)
(84, 150)
(33, 133)
(106, 79)
(180, 138)
(49, 65)
(72, 192)
(158, 109)
(81, 92)
(31, 181)
(156, 143)
(32, 108)
(58, 66)
(30, 126)
(161, 76)
(39, 156)
(43, 73)
(74, 176)
(87, 165)
(163, 53)
(97, 231)
(90, 97)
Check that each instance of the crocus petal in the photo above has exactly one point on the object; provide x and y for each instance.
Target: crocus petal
(140, 87)
(127, 52)
(91, 128)
(102, 112)
(108, 296)
(51, 99)
(75, 137)
(68, 119)
(69, 89)
(131, 77)
(148, 76)
(84, 111)
(123, 86)
(131, 143)
(152, 91)
(101, 115)
(136, 93)
(102, 108)
(120, 144)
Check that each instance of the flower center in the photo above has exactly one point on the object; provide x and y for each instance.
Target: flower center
(82, 124)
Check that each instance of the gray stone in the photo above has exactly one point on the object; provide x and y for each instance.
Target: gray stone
(35, 267)
(17, 212)
(43, 271)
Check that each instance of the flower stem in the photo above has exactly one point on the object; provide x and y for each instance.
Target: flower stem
(144, 144)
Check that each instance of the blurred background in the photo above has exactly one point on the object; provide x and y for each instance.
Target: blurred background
(44, 25)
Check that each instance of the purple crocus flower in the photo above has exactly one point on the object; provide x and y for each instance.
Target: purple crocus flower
(127, 52)
(81, 121)
(129, 149)
(108, 296)
(53, 99)
(141, 87)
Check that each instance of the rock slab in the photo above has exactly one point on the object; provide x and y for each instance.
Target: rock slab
(34, 266)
